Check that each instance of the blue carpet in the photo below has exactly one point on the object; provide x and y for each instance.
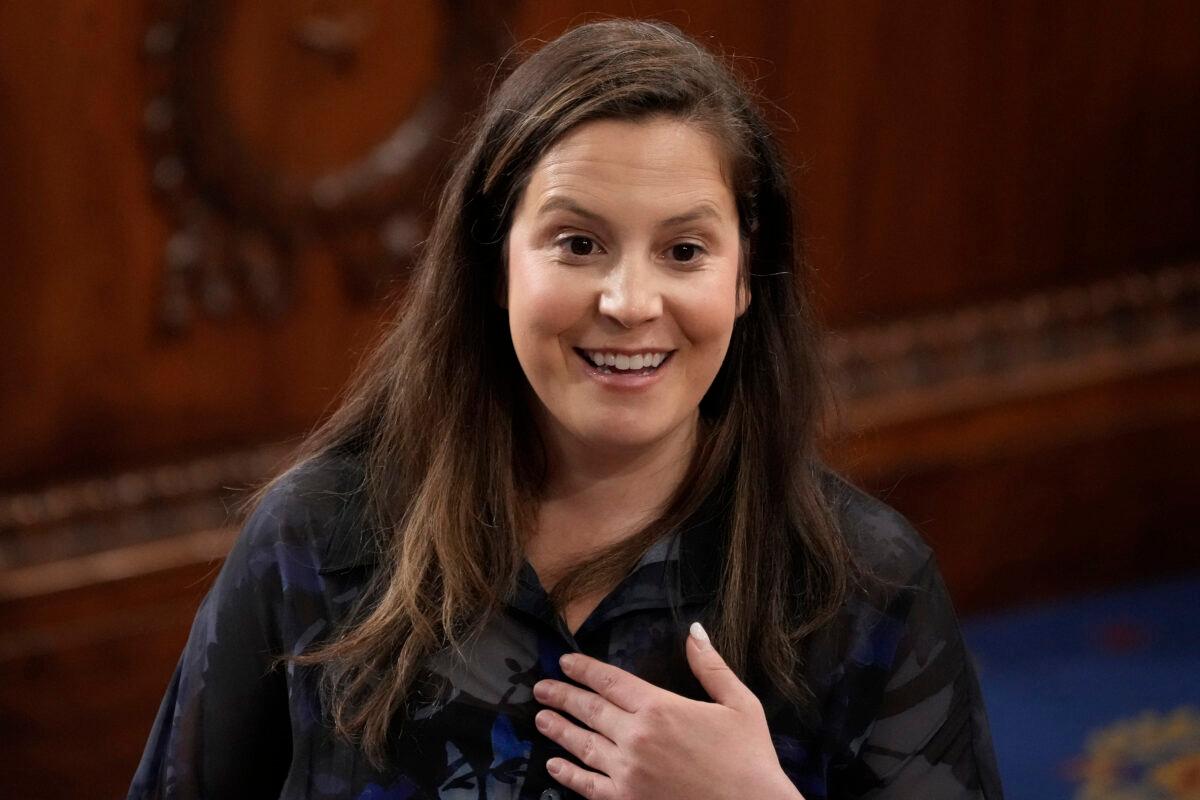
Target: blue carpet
(1096, 698)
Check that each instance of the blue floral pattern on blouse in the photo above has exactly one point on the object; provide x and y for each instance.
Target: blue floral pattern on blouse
(896, 712)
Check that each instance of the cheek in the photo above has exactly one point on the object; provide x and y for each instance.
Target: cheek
(707, 315)
(541, 302)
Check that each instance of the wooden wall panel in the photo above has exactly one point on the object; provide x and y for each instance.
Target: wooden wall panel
(93, 383)
(952, 153)
(1041, 497)
(962, 152)
(89, 383)
(81, 677)
(1002, 204)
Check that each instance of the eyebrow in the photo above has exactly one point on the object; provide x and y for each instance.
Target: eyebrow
(704, 210)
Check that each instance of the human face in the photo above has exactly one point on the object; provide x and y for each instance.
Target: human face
(624, 250)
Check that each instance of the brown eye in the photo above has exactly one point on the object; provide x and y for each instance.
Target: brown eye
(582, 246)
(684, 252)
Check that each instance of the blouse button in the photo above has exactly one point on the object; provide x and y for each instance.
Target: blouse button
(551, 794)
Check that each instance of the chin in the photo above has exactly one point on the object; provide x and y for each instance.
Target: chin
(608, 441)
(621, 432)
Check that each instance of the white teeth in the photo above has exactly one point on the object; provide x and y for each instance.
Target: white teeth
(633, 363)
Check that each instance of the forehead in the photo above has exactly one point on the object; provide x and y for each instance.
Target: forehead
(661, 161)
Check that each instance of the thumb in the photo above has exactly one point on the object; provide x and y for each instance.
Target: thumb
(722, 685)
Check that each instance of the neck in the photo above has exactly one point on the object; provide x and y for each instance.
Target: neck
(594, 496)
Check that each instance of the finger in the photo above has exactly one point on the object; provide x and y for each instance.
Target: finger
(589, 747)
(721, 683)
(591, 785)
(588, 707)
(623, 689)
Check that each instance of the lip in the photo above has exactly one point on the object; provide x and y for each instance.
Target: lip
(626, 351)
(612, 380)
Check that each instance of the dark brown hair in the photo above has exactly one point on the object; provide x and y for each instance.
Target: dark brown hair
(437, 419)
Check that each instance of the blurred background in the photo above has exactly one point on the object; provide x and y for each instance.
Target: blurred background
(205, 206)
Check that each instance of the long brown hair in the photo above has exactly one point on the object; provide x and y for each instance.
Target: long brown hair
(452, 467)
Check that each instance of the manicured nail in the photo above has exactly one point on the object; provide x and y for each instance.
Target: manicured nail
(700, 635)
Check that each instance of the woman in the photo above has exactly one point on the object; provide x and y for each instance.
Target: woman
(568, 534)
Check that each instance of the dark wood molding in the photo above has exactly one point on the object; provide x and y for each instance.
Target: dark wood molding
(171, 551)
(1044, 343)
(887, 377)
(139, 489)
(137, 522)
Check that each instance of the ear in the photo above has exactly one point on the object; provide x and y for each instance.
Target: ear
(743, 296)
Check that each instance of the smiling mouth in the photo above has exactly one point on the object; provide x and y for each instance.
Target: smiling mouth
(620, 364)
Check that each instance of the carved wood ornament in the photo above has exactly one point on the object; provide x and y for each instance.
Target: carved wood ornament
(970, 357)
(244, 205)
(1049, 341)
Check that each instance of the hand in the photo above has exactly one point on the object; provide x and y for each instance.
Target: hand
(646, 743)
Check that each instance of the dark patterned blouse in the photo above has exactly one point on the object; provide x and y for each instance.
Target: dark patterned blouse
(897, 710)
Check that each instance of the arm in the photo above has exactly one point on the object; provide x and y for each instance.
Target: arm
(930, 738)
(223, 728)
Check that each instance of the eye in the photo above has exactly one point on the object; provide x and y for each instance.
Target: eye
(685, 251)
(576, 248)
(580, 245)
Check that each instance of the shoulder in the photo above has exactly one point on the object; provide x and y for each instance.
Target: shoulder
(316, 507)
(882, 540)
(896, 659)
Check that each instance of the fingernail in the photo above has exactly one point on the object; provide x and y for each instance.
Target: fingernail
(700, 635)
(553, 766)
(542, 720)
(567, 661)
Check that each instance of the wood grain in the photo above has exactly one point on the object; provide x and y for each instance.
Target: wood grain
(960, 166)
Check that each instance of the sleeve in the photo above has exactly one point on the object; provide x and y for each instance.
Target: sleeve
(930, 736)
(223, 728)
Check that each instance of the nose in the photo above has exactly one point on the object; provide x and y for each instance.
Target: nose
(631, 295)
